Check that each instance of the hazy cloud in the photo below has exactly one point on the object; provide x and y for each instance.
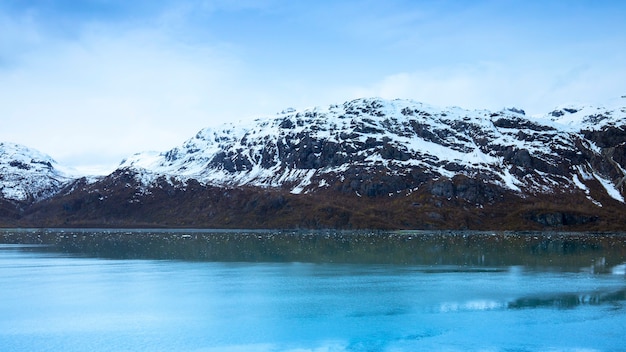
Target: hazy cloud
(492, 86)
(91, 82)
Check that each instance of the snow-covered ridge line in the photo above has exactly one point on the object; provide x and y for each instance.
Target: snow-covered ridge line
(304, 150)
(374, 147)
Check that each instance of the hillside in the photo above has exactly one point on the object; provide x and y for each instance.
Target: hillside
(367, 163)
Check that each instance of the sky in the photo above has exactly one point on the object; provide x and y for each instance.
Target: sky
(91, 82)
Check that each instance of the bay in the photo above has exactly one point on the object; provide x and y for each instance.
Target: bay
(199, 290)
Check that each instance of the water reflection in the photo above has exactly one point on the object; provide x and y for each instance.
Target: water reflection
(619, 269)
(611, 298)
(597, 253)
(458, 292)
(571, 300)
(475, 305)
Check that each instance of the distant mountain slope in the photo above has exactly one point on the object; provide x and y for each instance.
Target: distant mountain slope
(368, 163)
(27, 175)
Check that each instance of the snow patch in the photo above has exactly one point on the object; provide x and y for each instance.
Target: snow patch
(578, 183)
(509, 181)
(610, 189)
(306, 181)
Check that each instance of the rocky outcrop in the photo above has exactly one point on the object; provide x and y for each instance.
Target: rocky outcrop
(560, 219)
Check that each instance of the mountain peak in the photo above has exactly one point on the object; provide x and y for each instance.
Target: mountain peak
(28, 174)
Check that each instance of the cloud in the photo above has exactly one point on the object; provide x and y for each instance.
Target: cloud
(112, 92)
(107, 91)
(495, 86)
(96, 81)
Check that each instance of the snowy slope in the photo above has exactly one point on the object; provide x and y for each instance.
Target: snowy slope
(318, 147)
(578, 117)
(29, 175)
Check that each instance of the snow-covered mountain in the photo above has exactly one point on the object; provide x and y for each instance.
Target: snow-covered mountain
(378, 147)
(370, 163)
(27, 175)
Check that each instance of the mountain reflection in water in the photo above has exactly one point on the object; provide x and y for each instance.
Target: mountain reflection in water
(597, 252)
(572, 300)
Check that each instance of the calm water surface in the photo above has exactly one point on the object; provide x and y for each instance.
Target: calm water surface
(477, 292)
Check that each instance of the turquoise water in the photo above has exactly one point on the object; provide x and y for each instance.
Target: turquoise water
(53, 300)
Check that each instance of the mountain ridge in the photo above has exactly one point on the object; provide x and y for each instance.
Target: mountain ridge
(224, 156)
(373, 151)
